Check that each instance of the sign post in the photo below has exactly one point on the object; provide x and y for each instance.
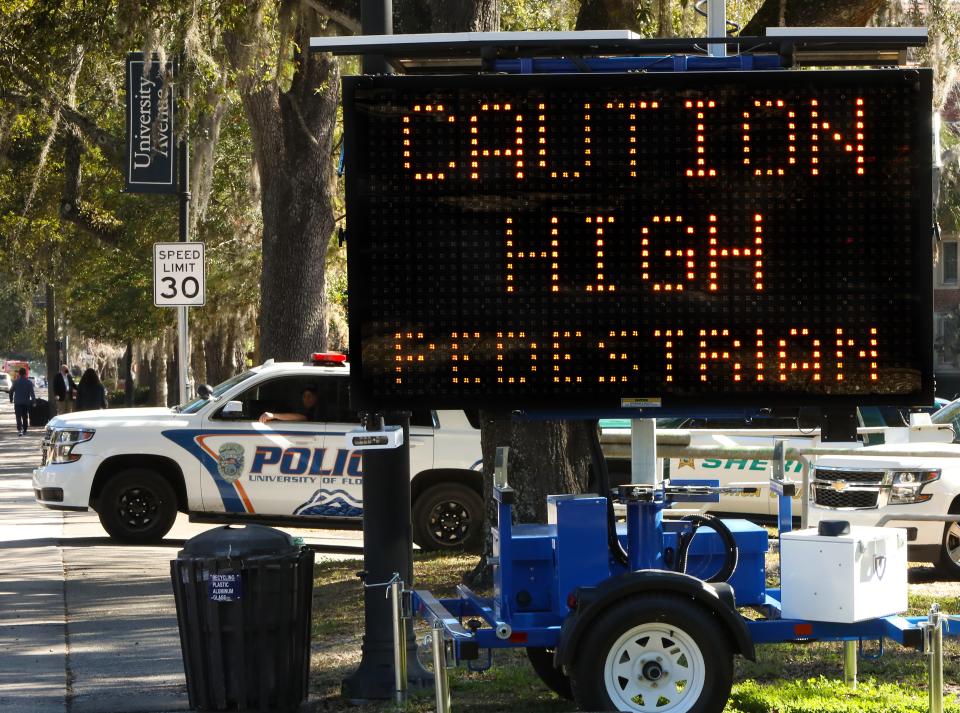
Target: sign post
(152, 166)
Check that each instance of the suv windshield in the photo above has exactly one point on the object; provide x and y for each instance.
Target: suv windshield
(217, 392)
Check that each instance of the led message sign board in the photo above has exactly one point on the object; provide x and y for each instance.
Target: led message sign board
(598, 241)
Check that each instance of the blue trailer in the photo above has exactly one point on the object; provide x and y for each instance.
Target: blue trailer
(656, 632)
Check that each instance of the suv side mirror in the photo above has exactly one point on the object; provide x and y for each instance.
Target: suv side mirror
(232, 409)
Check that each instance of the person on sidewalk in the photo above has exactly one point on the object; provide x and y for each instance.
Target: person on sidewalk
(90, 393)
(65, 389)
(23, 397)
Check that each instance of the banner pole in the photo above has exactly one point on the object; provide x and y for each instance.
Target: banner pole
(183, 323)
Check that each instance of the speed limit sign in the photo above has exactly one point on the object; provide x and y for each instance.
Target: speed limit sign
(178, 274)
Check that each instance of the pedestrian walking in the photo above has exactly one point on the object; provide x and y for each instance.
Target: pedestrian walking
(65, 389)
(90, 393)
(23, 398)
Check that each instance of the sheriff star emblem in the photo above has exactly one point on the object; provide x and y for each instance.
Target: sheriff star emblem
(687, 463)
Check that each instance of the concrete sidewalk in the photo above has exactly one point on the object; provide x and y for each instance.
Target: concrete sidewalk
(86, 625)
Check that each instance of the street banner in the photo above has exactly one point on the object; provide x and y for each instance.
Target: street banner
(151, 159)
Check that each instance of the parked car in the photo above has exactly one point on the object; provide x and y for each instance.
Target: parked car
(6, 383)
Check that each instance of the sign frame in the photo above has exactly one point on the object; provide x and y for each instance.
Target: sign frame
(158, 176)
(200, 297)
(921, 230)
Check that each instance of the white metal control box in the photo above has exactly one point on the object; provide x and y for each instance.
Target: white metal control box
(843, 579)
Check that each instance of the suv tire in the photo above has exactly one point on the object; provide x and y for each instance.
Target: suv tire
(137, 506)
(448, 516)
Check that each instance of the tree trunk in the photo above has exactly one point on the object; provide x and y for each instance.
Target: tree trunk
(147, 374)
(127, 367)
(546, 458)
(608, 15)
(198, 359)
(292, 134)
(811, 13)
(160, 370)
(464, 15)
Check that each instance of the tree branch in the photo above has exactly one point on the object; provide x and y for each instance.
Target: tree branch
(348, 22)
(98, 223)
(111, 146)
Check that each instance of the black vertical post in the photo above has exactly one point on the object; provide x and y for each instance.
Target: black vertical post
(183, 155)
(183, 168)
(387, 549)
(387, 532)
(53, 367)
(376, 18)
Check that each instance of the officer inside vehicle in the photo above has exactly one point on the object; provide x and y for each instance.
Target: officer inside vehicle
(310, 411)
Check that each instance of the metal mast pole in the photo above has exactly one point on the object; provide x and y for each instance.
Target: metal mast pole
(716, 26)
(183, 325)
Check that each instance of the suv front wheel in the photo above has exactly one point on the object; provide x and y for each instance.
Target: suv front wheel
(949, 563)
(448, 516)
(138, 506)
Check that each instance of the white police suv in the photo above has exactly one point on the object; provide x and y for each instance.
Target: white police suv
(214, 460)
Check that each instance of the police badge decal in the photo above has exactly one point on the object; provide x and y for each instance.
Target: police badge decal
(230, 462)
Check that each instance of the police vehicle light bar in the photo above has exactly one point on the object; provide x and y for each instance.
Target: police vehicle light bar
(328, 358)
(361, 439)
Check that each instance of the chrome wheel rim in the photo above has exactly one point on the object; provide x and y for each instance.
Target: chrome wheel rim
(952, 543)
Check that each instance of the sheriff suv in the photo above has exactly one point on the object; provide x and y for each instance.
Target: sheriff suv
(902, 471)
(213, 459)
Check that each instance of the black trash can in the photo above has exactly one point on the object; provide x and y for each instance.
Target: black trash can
(243, 599)
(39, 413)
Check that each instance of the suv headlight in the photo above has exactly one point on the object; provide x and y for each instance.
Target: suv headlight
(907, 484)
(64, 441)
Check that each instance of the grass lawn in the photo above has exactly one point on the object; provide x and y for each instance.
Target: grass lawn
(786, 678)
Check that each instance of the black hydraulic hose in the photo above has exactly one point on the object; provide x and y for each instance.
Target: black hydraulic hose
(731, 553)
(599, 463)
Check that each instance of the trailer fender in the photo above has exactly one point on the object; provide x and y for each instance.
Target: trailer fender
(590, 601)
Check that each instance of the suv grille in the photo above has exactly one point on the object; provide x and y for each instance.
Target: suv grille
(850, 476)
(859, 500)
(855, 489)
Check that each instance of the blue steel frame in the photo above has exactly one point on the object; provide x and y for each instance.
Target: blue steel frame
(496, 625)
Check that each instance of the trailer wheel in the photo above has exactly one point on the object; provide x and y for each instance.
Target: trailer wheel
(949, 562)
(448, 516)
(654, 652)
(137, 505)
(553, 678)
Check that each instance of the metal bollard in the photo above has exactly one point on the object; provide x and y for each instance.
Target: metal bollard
(399, 641)
(850, 664)
(933, 647)
(440, 682)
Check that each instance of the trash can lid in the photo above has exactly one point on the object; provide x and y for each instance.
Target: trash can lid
(239, 542)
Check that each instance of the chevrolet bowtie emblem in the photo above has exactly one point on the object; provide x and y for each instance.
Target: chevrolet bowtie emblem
(839, 485)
